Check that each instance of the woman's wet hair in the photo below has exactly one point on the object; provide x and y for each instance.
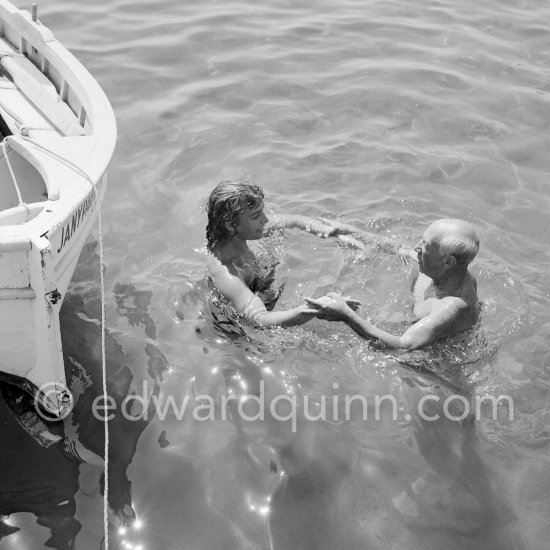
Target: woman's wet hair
(227, 200)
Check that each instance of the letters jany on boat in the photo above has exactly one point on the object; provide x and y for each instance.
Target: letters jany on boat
(73, 224)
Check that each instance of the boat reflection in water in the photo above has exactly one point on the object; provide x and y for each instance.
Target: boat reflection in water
(40, 460)
(36, 474)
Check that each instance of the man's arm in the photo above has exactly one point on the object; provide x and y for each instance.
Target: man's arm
(442, 321)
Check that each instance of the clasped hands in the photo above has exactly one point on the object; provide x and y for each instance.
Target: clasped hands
(331, 228)
(333, 306)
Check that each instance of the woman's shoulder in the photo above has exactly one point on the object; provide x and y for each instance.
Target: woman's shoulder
(238, 268)
(213, 265)
(229, 284)
(222, 272)
(219, 271)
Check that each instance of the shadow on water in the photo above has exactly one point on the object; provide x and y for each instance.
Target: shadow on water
(40, 460)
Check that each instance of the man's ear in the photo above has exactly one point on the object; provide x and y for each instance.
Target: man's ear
(451, 260)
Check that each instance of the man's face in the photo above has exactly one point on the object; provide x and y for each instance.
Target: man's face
(251, 223)
(430, 260)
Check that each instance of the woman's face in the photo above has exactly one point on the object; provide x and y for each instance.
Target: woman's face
(251, 223)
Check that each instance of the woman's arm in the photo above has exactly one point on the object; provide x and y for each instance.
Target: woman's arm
(250, 305)
(297, 221)
(352, 236)
(256, 312)
(347, 234)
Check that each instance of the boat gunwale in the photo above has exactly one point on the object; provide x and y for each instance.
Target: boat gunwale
(93, 100)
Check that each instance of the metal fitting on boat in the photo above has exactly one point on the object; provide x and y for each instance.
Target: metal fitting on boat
(54, 296)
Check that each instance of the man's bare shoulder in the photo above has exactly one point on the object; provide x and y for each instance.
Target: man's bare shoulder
(413, 278)
(440, 317)
(473, 282)
(469, 292)
(452, 304)
(454, 313)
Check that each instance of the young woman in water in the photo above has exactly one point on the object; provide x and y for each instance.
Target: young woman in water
(235, 216)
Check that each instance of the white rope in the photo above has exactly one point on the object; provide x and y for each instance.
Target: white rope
(8, 162)
(103, 320)
(104, 372)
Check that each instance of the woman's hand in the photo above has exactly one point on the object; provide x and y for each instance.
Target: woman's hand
(350, 241)
(306, 312)
(333, 306)
(406, 253)
(320, 226)
(339, 228)
(322, 229)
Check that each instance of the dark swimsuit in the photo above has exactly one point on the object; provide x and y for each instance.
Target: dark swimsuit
(262, 283)
(258, 276)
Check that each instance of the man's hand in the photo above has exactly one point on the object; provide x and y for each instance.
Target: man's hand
(333, 306)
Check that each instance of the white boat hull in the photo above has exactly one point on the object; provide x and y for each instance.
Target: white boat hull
(62, 134)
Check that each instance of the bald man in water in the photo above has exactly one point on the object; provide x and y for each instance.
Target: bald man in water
(445, 292)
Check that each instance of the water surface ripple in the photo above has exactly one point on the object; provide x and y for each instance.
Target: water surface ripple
(388, 114)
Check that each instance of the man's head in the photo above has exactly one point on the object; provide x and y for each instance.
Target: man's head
(448, 245)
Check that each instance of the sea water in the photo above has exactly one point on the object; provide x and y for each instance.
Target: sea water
(386, 114)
